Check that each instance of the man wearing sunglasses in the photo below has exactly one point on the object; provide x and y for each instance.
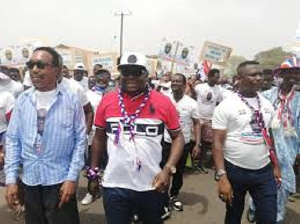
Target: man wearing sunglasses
(130, 125)
(47, 136)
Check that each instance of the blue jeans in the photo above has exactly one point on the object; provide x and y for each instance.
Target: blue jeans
(262, 187)
(120, 204)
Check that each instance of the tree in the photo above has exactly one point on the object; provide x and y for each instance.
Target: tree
(233, 62)
(272, 58)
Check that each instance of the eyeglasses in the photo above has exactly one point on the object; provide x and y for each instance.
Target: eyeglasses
(39, 64)
(137, 72)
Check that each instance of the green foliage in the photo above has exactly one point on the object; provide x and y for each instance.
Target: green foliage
(233, 62)
(272, 58)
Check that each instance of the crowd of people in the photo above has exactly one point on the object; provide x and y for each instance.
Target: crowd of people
(132, 137)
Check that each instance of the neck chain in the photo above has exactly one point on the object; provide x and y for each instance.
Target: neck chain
(261, 124)
(129, 119)
(258, 114)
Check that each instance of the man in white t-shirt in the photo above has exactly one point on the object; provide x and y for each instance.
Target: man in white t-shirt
(187, 109)
(9, 85)
(208, 96)
(80, 76)
(7, 102)
(102, 79)
(240, 132)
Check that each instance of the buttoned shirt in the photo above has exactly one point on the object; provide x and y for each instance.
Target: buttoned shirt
(61, 155)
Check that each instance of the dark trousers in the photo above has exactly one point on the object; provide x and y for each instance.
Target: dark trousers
(120, 204)
(262, 187)
(41, 206)
(177, 180)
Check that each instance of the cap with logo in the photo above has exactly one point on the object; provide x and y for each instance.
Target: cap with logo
(133, 59)
(79, 67)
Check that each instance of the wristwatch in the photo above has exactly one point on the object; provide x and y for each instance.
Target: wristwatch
(219, 173)
(171, 168)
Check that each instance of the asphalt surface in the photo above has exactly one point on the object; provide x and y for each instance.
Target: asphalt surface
(199, 195)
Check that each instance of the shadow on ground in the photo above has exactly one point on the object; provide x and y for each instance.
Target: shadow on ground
(195, 199)
(292, 217)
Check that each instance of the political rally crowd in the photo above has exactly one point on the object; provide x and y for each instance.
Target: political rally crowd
(131, 138)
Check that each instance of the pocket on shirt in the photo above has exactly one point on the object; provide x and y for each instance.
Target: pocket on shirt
(68, 118)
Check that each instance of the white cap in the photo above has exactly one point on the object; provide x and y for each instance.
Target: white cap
(133, 59)
(80, 67)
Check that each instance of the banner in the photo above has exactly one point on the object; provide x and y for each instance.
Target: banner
(151, 66)
(8, 56)
(107, 60)
(17, 55)
(215, 53)
(167, 50)
(185, 59)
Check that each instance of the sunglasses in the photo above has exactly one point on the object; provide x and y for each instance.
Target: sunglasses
(137, 72)
(39, 64)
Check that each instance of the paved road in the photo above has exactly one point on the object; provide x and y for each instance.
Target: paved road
(202, 205)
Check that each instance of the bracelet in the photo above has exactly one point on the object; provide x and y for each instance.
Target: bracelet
(92, 173)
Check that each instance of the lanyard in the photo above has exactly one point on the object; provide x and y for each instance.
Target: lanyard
(261, 124)
(284, 111)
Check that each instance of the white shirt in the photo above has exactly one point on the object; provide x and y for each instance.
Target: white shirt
(13, 87)
(226, 93)
(44, 102)
(75, 87)
(45, 99)
(187, 109)
(84, 82)
(7, 102)
(27, 79)
(69, 83)
(207, 98)
(243, 147)
(95, 99)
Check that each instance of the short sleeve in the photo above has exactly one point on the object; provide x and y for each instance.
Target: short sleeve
(27, 79)
(220, 97)
(198, 89)
(100, 114)
(195, 110)
(10, 103)
(220, 117)
(172, 118)
(83, 97)
(79, 91)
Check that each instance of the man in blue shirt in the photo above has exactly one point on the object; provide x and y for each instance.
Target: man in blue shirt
(47, 137)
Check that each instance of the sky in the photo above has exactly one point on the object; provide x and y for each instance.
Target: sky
(248, 26)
